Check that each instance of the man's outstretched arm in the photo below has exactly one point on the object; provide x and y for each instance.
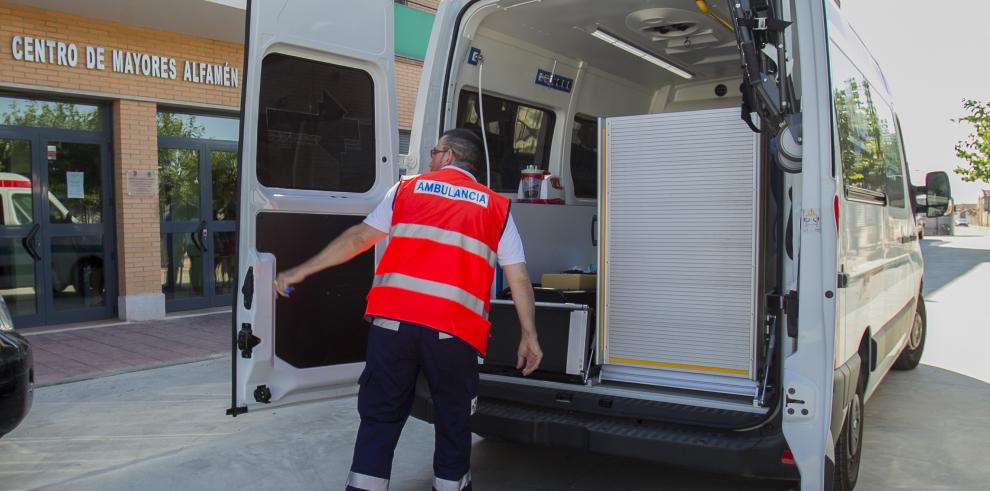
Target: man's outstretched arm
(530, 355)
(352, 242)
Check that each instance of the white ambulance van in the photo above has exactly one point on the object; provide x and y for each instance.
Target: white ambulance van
(733, 174)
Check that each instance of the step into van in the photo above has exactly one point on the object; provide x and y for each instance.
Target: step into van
(733, 173)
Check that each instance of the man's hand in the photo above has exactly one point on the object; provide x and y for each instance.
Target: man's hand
(529, 353)
(522, 295)
(286, 279)
(352, 242)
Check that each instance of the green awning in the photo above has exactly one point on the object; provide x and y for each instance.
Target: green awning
(412, 32)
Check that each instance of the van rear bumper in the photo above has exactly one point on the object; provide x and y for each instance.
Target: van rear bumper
(754, 453)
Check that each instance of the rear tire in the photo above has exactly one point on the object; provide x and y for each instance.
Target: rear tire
(911, 356)
(849, 448)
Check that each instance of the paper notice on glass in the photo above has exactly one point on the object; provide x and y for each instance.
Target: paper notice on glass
(75, 185)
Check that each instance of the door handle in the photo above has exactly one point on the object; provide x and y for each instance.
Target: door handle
(594, 237)
(203, 234)
(30, 242)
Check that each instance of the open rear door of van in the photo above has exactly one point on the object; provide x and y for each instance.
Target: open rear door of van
(318, 151)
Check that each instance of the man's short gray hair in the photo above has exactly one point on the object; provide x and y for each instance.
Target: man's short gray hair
(466, 144)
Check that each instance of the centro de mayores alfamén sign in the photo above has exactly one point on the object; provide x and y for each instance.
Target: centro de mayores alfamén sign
(52, 52)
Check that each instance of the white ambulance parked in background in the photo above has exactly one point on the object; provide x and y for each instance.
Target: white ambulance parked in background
(757, 276)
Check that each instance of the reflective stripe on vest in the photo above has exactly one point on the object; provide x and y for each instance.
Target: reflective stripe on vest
(438, 267)
(433, 288)
(447, 237)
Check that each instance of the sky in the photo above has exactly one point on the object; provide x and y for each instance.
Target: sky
(933, 58)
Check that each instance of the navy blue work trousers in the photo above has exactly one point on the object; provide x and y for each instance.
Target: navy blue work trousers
(388, 386)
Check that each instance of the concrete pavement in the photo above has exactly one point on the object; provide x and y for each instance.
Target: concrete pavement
(165, 429)
(957, 295)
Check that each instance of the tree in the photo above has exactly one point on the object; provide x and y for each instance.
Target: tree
(975, 149)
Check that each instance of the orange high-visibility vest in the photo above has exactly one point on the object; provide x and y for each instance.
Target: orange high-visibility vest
(438, 268)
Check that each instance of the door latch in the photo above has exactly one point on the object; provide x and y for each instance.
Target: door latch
(246, 341)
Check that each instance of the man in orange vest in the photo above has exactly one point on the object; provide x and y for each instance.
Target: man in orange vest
(429, 307)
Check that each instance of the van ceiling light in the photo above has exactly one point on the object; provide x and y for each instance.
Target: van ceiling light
(618, 43)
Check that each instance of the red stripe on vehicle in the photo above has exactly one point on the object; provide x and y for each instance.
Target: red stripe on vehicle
(14, 184)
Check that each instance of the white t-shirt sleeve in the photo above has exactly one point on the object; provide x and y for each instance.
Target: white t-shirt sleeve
(381, 217)
(510, 248)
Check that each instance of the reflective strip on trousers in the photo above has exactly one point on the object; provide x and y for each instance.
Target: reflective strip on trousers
(367, 483)
(433, 288)
(446, 237)
(447, 485)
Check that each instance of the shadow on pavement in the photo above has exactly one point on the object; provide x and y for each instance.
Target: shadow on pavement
(953, 262)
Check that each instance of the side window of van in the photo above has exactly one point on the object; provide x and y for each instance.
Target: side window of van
(518, 136)
(858, 127)
(22, 208)
(584, 153)
(316, 126)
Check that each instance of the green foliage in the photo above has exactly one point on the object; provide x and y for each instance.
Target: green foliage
(42, 114)
(975, 149)
(178, 169)
(178, 184)
(179, 125)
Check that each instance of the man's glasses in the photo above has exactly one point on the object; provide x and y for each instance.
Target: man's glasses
(435, 151)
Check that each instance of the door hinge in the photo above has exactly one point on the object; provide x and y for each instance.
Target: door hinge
(246, 341)
(248, 289)
(262, 394)
(788, 305)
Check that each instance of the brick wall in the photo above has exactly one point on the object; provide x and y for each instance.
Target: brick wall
(138, 244)
(17, 20)
(407, 74)
(424, 5)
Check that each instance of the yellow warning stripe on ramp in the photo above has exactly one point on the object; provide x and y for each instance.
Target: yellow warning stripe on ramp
(697, 368)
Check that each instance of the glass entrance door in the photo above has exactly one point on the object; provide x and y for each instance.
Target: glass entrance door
(56, 233)
(20, 265)
(197, 182)
(197, 175)
(75, 213)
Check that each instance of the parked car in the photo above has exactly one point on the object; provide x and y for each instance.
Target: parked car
(16, 374)
(962, 221)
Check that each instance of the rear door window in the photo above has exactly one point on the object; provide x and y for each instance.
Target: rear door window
(316, 126)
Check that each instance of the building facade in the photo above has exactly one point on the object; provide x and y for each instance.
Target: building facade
(118, 152)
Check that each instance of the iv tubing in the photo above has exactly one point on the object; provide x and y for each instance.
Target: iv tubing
(481, 121)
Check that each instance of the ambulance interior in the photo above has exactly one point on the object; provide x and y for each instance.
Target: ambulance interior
(549, 69)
